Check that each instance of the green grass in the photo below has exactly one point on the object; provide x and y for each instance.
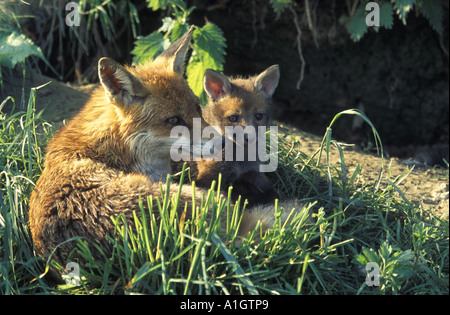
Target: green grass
(343, 226)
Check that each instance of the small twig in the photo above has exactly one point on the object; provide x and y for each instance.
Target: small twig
(310, 24)
(299, 47)
(355, 4)
(219, 6)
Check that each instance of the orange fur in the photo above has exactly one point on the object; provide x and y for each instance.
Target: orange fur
(115, 150)
(111, 153)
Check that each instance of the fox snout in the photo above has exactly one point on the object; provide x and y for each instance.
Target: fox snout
(241, 135)
(200, 143)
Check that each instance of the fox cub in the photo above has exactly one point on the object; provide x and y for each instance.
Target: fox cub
(238, 102)
(116, 149)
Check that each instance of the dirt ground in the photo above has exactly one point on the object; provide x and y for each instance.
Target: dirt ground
(424, 184)
(430, 186)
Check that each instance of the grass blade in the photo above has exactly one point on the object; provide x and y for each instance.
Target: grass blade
(237, 268)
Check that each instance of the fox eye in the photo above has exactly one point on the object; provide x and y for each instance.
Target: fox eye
(174, 121)
(259, 116)
(233, 118)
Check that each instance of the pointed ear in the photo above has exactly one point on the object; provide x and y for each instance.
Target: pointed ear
(176, 53)
(216, 85)
(121, 87)
(267, 81)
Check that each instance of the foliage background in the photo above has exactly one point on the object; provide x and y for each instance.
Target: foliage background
(397, 74)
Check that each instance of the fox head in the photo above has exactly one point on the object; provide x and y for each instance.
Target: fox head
(239, 102)
(150, 100)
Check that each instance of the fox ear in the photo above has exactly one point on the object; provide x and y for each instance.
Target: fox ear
(216, 85)
(176, 53)
(267, 81)
(120, 85)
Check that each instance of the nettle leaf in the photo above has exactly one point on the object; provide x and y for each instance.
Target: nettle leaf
(403, 7)
(208, 53)
(208, 49)
(386, 15)
(434, 12)
(179, 29)
(279, 5)
(149, 47)
(173, 28)
(210, 45)
(168, 24)
(357, 26)
(195, 71)
(157, 4)
(15, 48)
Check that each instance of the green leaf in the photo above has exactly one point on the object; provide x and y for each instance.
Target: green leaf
(236, 267)
(149, 47)
(208, 52)
(168, 24)
(368, 255)
(385, 252)
(179, 29)
(157, 4)
(361, 259)
(195, 71)
(210, 45)
(279, 5)
(173, 28)
(403, 7)
(386, 15)
(357, 26)
(434, 12)
(15, 48)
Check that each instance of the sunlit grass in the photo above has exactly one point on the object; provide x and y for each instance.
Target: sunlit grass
(343, 225)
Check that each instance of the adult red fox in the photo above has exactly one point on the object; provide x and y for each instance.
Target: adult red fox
(238, 102)
(116, 149)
